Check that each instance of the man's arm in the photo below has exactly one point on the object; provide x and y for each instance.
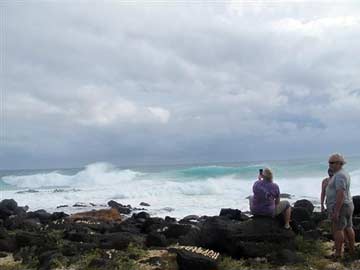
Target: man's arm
(340, 196)
(322, 197)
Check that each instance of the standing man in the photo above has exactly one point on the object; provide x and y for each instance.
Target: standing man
(339, 204)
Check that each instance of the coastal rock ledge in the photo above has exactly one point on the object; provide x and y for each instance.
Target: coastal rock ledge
(121, 238)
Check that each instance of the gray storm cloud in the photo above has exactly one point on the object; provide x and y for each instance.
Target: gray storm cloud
(177, 82)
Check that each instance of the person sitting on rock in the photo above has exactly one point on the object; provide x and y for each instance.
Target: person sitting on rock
(323, 188)
(266, 199)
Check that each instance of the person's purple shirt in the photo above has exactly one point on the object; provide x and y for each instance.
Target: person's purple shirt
(263, 201)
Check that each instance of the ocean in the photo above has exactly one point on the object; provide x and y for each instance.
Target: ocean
(176, 190)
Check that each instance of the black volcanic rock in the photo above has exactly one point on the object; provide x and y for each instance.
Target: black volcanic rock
(154, 224)
(8, 207)
(144, 204)
(190, 218)
(285, 196)
(317, 217)
(231, 213)
(305, 204)
(123, 209)
(235, 214)
(80, 204)
(41, 214)
(20, 222)
(120, 240)
(155, 239)
(58, 215)
(176, 230)
(300, 214)
(356, 201)
(44, 239)
(170, 219)
(142, 215)
(191, 238)
(252, 238)
(194, 261)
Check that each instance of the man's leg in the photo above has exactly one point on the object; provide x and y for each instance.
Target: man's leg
(350, 235)
(346, 240)
(333, 230)
(339, 241)
(287, 216)
(339, 227)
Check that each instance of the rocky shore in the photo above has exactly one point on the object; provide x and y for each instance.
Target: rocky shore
(120, 238)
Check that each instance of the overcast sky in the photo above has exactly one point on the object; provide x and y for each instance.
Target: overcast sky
(177, 82)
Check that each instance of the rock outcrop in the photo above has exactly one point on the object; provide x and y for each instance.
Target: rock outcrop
(44, 239)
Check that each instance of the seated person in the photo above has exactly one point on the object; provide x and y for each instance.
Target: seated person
(266, 199)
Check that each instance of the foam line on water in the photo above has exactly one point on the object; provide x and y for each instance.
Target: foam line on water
(101, 182)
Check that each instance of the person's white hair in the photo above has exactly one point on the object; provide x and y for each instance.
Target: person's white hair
(337, 158)
(267, 173)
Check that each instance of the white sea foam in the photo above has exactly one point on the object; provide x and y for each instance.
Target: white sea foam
(96, 174)
(101, 182)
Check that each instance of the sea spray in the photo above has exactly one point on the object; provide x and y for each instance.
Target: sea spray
(200, 190)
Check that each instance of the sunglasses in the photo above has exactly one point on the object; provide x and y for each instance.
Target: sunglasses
(333, 162)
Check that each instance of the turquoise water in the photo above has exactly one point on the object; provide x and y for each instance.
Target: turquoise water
(184, 189)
